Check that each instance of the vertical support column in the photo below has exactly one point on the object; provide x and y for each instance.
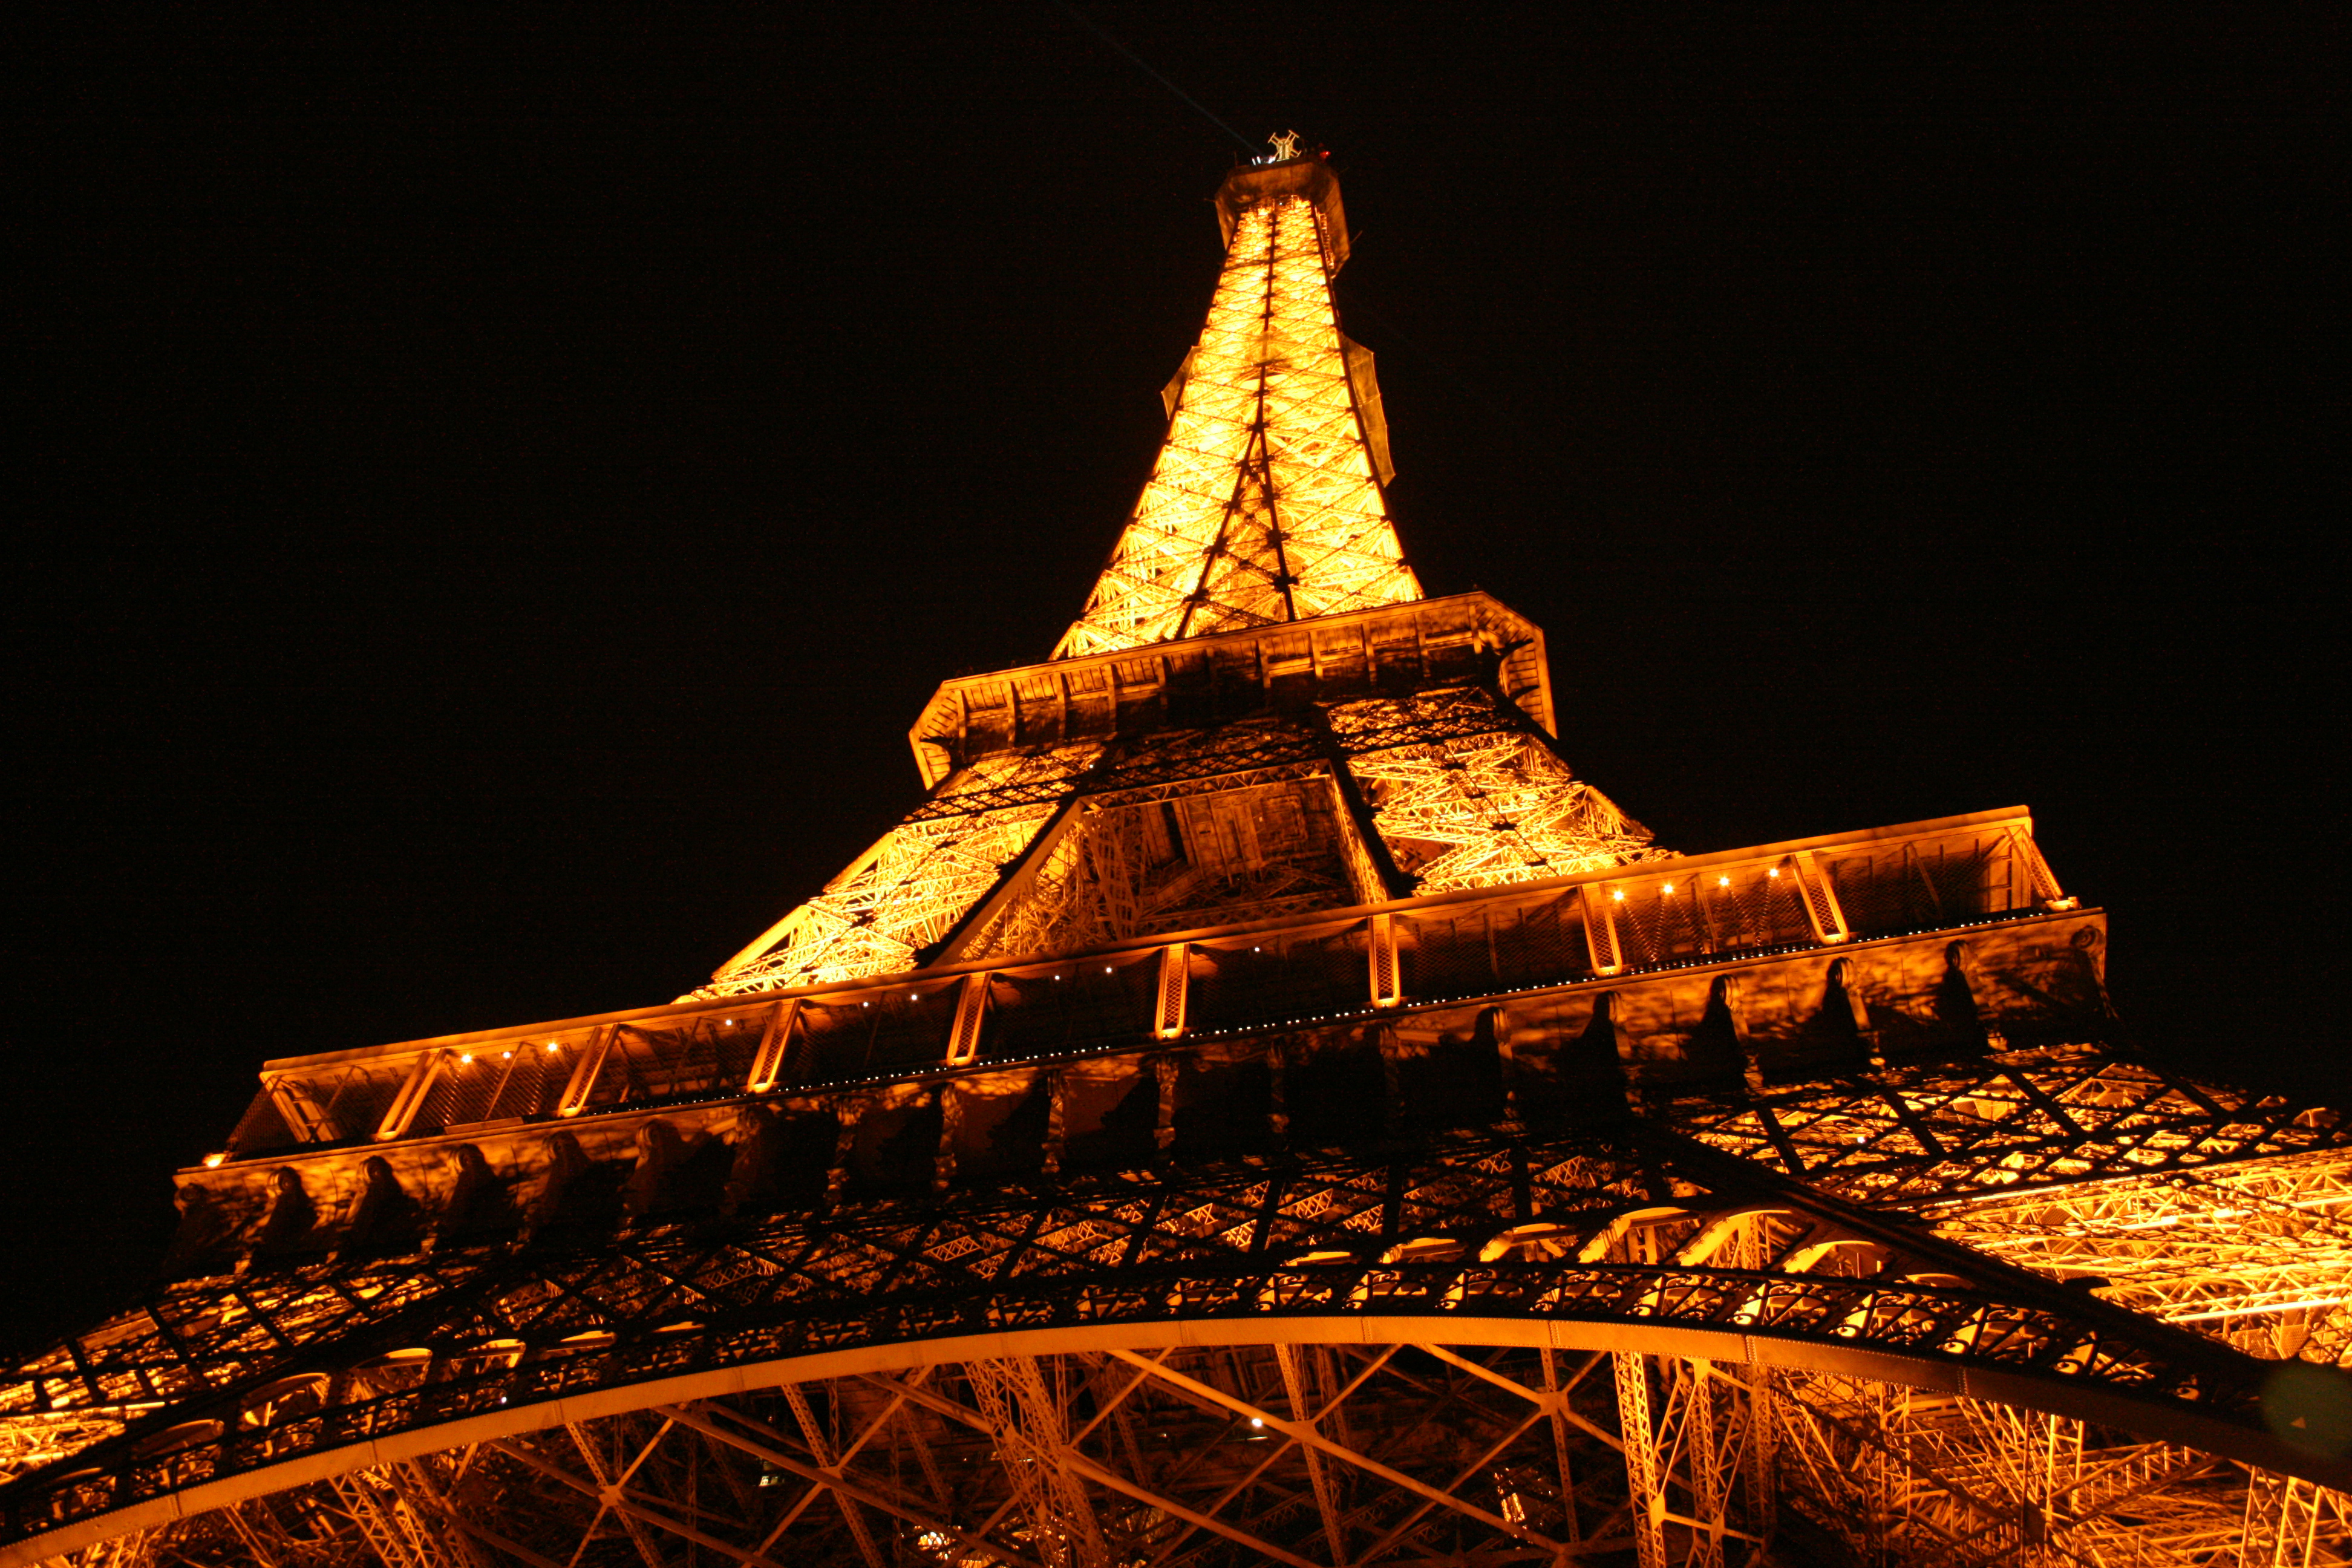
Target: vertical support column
(1031, 1430)
(401, 1115)
(943, 1159)
(1302, 1412)
(1822, 907)
(1645, 1467)
(971, 1010)
(1599, 906)
(768, 1062)
(1705, 1430)
(1175, 969)
(2281, 1522)
(583, 1073)
(1556, 1408)
(1982, 996)
(1495, 1023)
(1756, 1470)
(1388, 977)
(1277, 1105)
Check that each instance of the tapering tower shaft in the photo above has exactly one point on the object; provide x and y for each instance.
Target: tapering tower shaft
(1259, 714)
(1266, 502)
(1259, 1038)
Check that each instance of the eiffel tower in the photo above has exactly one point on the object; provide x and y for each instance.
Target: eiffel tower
(1261, 1106)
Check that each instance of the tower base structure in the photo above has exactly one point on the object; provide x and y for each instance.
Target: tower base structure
(1800, 1200)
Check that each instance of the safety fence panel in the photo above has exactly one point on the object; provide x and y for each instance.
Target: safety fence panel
(1651, 915)
(491, 1085)
(1279, 977)
(1922, 885)
(869, 1034)
(262, 1128)
(1752, 907)
(1659, 922)
(1507, 945)
(327, 1105)
(705, 1058)
(1049, 1009)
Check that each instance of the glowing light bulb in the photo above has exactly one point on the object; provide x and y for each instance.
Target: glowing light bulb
(212, 1161)
(1668, 888)
(466, 1057)
(1773, 872)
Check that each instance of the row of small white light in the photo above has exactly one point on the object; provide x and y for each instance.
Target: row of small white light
(551, 1046)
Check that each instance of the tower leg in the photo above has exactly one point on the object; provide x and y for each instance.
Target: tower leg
(1645, 1467)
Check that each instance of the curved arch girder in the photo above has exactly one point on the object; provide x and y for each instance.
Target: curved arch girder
(1648, 1241)
(1959, 1342)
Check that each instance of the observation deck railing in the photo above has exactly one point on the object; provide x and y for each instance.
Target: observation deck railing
(1697, 910)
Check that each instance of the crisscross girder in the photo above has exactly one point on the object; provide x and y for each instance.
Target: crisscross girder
(1263, 505)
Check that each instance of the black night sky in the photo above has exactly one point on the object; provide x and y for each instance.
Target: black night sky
(500, 485)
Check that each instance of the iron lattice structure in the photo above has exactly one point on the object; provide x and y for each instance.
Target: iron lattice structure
(1265, 503)
(1261, 1107)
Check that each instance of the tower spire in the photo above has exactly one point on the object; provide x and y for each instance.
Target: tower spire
(1266, 502)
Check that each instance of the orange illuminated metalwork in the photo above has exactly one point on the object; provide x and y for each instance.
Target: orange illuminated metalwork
(1265, 503)
(1261, 1106)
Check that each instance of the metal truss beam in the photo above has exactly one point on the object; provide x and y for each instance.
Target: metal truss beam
(1427, 1452)
(1736, 1266)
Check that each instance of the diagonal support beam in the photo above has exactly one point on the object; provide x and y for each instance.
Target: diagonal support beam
(1095, 1472)
(1317, 1477)
(814, 1436)
(1406, 1525)
(1169, 1506)
(1307, 1434)
(607, 1490)
(1554, 1402)
(688, 1415)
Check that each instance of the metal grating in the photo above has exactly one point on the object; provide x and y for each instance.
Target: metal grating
(864, 1034)
(261, 1128)
(1053, 1008)
(1278, 977)
(1918, 887)
(703, 1059)
(350, 1101)
(1473, 950)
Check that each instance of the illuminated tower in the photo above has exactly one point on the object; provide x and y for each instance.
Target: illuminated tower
(1256, 714)
(1259, 1106)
